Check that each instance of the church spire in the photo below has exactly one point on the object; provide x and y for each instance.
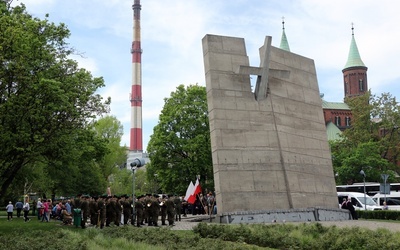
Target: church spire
(354, 58)
(284, 42)
(354, 72)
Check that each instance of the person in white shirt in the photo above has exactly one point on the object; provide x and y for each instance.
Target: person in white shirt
(39, 207)
(10, 210)
(26, 209)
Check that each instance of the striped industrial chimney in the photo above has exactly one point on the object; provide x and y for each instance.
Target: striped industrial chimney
(136, 138)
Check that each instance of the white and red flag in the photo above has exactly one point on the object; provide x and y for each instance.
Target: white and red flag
(195, 192)
(189, 191)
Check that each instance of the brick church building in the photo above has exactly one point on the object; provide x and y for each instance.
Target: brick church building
(338, 115)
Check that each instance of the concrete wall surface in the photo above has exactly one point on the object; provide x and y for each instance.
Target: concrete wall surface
(267, 154)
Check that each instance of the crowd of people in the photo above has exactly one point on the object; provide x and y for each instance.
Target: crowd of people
(100, 211)
(21, 207)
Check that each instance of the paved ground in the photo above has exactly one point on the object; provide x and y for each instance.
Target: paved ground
(187, 223)
(192, 220)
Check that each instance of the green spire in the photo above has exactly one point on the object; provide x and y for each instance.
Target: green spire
(284, 42)
(354, 59)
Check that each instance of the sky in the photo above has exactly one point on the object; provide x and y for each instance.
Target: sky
(171, 34)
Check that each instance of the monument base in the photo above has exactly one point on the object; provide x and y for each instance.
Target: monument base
(291, 215)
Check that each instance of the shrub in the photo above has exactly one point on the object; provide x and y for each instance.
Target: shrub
(379, 214)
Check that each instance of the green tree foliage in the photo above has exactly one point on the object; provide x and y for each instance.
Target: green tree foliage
(111, 130)
(121, 182)
(46, 100)
(145, 185)
(180, 147)
(372, 142)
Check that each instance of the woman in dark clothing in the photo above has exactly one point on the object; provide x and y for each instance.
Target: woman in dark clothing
(352, 209)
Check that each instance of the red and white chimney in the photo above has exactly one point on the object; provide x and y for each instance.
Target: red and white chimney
(136, 137)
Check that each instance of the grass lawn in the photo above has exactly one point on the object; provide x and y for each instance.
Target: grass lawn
(18, 224)
(17, 234)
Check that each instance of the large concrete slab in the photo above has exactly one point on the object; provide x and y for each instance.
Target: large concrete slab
(269, 151)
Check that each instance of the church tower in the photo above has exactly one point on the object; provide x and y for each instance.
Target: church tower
(284, 41)
(354, 72)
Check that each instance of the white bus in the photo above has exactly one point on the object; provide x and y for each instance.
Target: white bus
(371, 188)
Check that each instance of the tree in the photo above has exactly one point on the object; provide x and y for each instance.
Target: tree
(372, 142)
(349, 161)
(180, 147)
(111, 130)
(45, 98)
(122, 182)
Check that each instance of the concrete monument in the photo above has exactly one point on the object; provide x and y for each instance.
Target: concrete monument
(271, 157)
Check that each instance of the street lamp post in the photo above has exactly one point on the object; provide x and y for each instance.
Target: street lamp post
(133, 167)
(137, 163)
(385, 191)
(365, 195)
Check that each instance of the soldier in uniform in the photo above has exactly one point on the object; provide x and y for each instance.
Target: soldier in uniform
(154, 210)
(170, 207)
(133, 213)
(111, 211)
(101, 206)
(163, 209)
(139, 211)
(94, 216)
(178, 207)
(118, 210)
(146, 212)
(127, 209)
(185, 207)
(85, 210)
(76, 203)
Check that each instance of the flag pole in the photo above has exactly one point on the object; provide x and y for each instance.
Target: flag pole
(212, 209)
(201, 202)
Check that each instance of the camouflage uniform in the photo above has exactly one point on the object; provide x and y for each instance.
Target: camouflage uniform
(85, 212)
(133, 213)
(101, 206)
(163, 210)
(76, 203)
(111, 211)
(178, 208)
(118, 211)
(154, 211)
(94, 216)
(170, 207)
(146, 211)
(139, 212)
(127, 209)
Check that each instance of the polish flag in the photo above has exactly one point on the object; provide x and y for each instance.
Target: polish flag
(196, 191)
(197, 188)
(189, 191)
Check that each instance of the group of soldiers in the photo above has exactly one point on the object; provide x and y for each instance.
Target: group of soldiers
(109, 210)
